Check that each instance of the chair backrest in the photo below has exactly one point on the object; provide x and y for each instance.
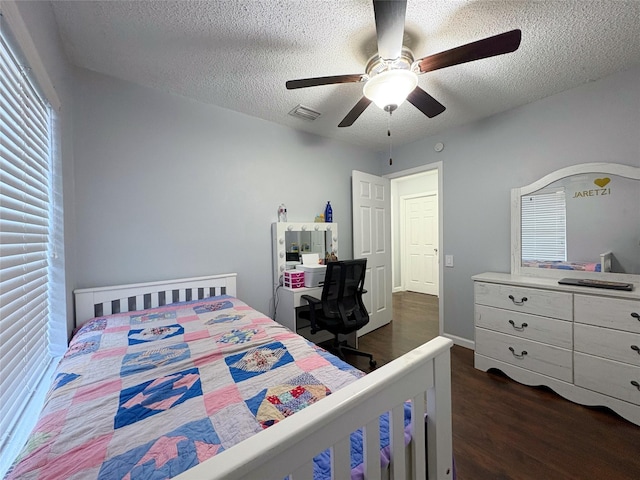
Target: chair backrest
(342, 291)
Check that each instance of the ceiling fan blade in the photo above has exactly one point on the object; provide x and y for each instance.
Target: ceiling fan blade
(489, 47)
(390, 16)
(425, 102)
(314, 82)
(355, 112)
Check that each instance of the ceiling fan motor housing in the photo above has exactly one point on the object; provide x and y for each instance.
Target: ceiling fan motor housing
(390, 81)
(376, 64)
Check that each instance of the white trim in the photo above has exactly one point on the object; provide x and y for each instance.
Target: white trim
(462, 342)
(619, 169)
(438, 166)
(412, 171)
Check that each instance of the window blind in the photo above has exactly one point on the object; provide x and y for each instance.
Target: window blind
(544, 227)
(24, 241)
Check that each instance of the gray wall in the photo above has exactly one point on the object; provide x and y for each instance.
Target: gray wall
(169, 188)
(596, 122)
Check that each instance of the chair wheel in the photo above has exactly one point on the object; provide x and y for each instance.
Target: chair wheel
(372, 363)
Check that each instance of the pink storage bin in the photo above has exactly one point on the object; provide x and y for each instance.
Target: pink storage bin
(294, 278)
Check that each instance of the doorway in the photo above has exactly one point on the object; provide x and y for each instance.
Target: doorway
(419, 243)
(416, 224)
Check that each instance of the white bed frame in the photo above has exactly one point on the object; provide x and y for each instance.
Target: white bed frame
(95, 302)
(288, 447)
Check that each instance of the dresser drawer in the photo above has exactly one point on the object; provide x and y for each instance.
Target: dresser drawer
(607, 377)
(524, 325)
(535, 301)
(607, 343)
(545, 359)
(618, 313)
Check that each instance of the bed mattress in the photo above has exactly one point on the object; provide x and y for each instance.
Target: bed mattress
(148, 395)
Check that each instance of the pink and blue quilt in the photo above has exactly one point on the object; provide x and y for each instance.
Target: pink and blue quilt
(148, 395)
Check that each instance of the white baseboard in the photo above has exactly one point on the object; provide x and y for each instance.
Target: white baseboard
(463, 342)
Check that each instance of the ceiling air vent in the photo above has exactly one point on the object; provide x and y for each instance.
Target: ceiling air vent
(305, 113)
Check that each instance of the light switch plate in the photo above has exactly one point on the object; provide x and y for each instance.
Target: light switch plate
(448, 260)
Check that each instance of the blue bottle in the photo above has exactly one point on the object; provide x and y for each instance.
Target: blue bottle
(328, 213)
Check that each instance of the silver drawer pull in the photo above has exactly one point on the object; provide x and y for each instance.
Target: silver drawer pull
(635, 315)
(518, 355)
(519, 302)
(521, 327)
(636, 349)
(635, 384)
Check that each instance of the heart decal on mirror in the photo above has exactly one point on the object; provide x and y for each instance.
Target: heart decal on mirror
(602, 182)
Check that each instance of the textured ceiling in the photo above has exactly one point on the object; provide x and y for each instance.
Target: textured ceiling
(238, 54)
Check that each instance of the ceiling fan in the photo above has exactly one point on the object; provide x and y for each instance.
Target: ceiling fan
(392, 74)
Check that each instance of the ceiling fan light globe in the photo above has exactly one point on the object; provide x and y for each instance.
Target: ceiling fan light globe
(390, 87)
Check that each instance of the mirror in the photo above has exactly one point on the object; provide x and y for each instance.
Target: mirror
(299, 242)
(290, 239)
(580, 221)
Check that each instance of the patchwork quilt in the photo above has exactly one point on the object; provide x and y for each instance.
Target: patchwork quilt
(581, 266)
(148, 395)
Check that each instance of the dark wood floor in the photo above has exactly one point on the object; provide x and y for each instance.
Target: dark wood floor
(505, 430)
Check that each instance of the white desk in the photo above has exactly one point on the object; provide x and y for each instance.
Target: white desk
(289, 300)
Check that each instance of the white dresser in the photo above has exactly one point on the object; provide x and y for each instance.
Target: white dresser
(582, 342)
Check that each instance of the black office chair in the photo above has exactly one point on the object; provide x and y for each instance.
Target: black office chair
(340, 310)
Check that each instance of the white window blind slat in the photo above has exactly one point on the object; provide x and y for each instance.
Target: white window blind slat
(11, 238)
(20, 156)
(23, 147)
(11, 110)
(21, 87)
(21, 311)
(24, 385)
(11, 228)
(544, 227)
(16, 307)
(22, 171)
(14, 213)
(20, 391)
(13, 345)
(23, 278)
(12, 205)
(13, 202)
(12, 115)
(9, 251)
(25, 210)
(24, 258)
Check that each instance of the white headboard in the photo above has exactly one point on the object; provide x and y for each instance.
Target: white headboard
(95, 302)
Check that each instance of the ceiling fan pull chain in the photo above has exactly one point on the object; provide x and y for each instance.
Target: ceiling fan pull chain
(390, 139)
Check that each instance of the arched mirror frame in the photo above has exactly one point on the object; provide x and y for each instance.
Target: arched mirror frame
(626, 171)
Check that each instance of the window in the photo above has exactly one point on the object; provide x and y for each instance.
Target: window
(25, 212)
(544, 227)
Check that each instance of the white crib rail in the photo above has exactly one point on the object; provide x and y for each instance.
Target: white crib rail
(288, 447)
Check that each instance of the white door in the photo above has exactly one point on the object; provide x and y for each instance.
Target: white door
(420, 242)
(371, 203)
